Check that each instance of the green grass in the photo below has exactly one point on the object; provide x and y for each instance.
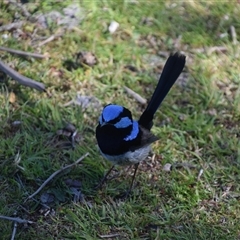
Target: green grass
(198, 123)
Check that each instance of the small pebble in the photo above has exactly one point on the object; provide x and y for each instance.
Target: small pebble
(167, 167)
(113, 26)
(5, 36)
(16, 123)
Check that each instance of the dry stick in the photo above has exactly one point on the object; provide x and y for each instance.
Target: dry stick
(51, 38)
(22, 53)
(54, 175)
(16, 219)
(109, 235)
(10, 26)
(135, 95)
(210, 50)
(20, 78)
(216, 49)
(14, 230)
(234, 34)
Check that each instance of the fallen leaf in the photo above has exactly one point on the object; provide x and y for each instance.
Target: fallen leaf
(12, 97)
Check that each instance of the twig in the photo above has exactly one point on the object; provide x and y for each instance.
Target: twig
(22, 53)
(227, 191)
(20, 78)
(54, 175)
(234, 34)
(10, 26)
(109, 235)
(210, 50)
(69, 103)
(51, 38)
(16, 219)
(14, 230)
(135, 95)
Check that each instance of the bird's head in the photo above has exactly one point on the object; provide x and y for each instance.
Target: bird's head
(115, 115)
(117, 120)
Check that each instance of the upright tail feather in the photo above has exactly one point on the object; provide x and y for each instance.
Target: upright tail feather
(171, 71)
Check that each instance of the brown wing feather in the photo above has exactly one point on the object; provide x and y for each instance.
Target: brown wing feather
(146, 139)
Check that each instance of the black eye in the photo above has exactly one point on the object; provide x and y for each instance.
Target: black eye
(115, 120)
(118, 119)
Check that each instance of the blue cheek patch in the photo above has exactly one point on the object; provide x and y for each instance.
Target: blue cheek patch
(111, 112)
(134, 132)
(123, 123)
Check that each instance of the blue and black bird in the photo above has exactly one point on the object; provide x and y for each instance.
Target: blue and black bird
(124, 141)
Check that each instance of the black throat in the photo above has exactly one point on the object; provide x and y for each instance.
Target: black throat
(111, 139)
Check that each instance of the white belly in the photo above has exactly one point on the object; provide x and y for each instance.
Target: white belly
(130, 157)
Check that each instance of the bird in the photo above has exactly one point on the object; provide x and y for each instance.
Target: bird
(125, 141)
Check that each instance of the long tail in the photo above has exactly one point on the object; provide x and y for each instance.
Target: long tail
(171, 71)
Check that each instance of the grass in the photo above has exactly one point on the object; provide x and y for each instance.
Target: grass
(198, 123)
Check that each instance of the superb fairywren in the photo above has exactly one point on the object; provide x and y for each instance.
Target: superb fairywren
(124, 141)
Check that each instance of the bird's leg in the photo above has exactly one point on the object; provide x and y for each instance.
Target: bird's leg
(133, 178)
(104, 179)
(126, 194)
